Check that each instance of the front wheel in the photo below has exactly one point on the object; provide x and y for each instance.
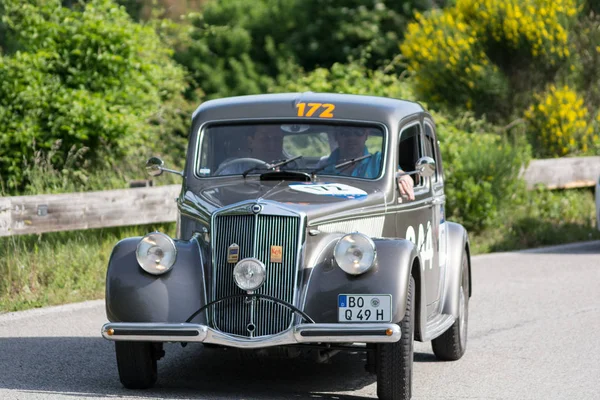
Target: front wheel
(136, 362)
(452, 344)
(395, 360)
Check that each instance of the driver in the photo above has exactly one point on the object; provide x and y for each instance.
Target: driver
(264, 143)
(351, 144)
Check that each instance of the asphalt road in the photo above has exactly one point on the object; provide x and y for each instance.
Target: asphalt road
(533, 334)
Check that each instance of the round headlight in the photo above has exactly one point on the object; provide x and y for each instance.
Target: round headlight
(156, 253)
(249, 274)
(355, 253)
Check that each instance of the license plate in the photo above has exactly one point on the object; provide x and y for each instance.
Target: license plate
(365, 308)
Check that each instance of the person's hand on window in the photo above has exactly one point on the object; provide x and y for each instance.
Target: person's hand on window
(405, 186)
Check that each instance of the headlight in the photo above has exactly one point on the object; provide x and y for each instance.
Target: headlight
(355, 253)
(249, 274)
(156, 253)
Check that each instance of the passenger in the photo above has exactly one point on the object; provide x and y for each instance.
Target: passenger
(351, 144)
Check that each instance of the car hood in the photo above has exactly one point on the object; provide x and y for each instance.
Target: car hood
(321, 200)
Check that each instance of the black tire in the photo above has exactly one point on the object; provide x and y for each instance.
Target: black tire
(137, 364)
(395, 360)
(452, 344)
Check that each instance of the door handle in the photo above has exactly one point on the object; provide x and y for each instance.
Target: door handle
(437, 201)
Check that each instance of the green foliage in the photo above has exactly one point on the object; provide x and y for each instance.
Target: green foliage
(335, 31)
(60, 267)
(231, 49)
(352, 78)
(93, 79)
(541, 218)
(481, 53)
(585, 67)
(481, 171)
(76, 175)
(239, 47)
(559, 123)
(450, 66)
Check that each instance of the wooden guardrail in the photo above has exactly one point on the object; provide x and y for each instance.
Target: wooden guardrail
(563, 173)
(71, 211)
(61, 212)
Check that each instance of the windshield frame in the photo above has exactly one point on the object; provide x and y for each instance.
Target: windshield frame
(253, 121)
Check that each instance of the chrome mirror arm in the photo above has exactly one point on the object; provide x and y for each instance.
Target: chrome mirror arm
(155, 167)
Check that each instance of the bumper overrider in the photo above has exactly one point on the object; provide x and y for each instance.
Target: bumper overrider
(301, 333)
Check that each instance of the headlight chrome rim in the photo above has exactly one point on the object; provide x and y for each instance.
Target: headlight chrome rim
(362, 245)
(156, 244)
(237, 271)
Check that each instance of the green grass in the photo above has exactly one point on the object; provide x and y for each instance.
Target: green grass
(61, 267)
(543, 218)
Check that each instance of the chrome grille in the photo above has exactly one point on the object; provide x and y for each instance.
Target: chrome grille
(255, 234)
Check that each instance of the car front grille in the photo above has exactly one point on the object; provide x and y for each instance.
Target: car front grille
(255, 234)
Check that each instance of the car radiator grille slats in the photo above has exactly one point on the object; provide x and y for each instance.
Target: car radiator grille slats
(255, 234)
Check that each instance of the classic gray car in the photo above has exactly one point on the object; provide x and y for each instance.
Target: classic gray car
(293, 235)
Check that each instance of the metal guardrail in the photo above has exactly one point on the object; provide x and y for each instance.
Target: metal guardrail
(145, 205)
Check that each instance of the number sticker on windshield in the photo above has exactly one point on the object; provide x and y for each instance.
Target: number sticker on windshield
(321, 110)
(330, 189)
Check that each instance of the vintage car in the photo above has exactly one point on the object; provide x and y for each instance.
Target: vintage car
(293, 235)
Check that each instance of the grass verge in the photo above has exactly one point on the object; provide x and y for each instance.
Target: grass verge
(542, 218)
(60, 267)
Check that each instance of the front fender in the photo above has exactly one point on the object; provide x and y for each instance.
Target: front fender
(133, 295)
(458, 243)
(390, 275)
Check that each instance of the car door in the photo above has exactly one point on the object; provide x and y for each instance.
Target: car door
(414, 219)
(437, 268)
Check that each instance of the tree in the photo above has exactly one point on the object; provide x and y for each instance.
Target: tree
(88, 76)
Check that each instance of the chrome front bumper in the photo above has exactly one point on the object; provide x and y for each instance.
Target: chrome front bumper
(302, 333)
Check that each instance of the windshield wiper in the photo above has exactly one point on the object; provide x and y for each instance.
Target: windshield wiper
(342, 164)
(269, 165)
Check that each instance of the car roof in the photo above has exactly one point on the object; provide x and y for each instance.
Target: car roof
(283, 105)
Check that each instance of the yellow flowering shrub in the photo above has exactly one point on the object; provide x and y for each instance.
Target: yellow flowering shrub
(479, 53)
(538, 26)
(449, 63)
(559, 123)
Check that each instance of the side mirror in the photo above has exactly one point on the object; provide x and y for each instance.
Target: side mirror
(155, 167)
(425, 166)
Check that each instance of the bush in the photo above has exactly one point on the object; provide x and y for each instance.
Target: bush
(89, 77)
(481, 172)
(240, 47)
(451, 69)
(585, 67)
(489, 55)
(353, 78)
(558, 123)
(528, 28)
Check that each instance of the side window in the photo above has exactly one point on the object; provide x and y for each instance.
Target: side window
(431, 150)
(410, 150)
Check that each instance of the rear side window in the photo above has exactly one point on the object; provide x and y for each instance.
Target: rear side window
(410, 150)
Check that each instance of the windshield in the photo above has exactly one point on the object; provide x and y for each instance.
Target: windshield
(320, 148)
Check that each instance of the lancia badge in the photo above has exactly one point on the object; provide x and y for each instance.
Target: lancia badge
(233, 253)
(276, 254)
(256, 208)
